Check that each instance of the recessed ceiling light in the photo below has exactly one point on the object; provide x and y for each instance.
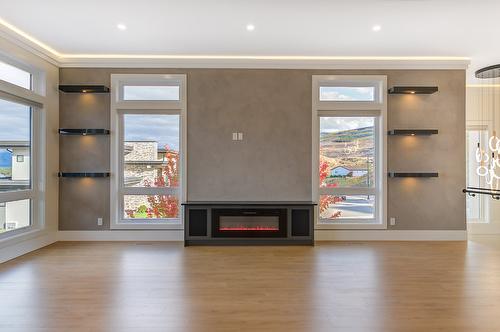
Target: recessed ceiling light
(376, 28)
(250, 27)
(121, 26)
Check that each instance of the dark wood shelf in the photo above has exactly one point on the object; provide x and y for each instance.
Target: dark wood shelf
(84, 88)
(83, 132)
(412, 132)
(413, 175)
(83, 175)
(419, 90)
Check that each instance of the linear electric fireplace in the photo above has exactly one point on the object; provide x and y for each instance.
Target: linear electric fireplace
(234, 223)
(248, 222)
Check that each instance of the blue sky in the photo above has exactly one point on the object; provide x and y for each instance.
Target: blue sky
(14, 121)
(5, 158)
(339, 93)
(163, 129)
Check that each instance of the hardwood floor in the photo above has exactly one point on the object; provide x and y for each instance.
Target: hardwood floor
(361, 286)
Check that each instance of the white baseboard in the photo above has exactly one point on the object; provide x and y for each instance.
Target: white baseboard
(390, 235)
(492, 228)
(25, 246)
(320, 235)
(124, 235)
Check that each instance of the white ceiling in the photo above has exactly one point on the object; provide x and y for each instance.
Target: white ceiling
(468, 28)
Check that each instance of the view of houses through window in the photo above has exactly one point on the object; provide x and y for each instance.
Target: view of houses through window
(15, 163)
(151, 166)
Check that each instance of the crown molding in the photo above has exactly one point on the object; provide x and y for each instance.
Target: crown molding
(31, 44)
(265, 62)
(28, 45)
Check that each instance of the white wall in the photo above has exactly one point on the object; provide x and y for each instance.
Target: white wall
(21, 170)
(18, 212)
(18, 245)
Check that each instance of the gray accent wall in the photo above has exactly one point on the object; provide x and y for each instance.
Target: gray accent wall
(272, 108)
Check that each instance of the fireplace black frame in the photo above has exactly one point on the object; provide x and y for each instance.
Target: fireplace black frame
(248, 212)
(296, 228)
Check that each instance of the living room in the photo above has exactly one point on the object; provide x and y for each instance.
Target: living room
(269, 166)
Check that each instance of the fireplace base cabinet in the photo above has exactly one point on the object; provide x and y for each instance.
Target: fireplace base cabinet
(249, 223)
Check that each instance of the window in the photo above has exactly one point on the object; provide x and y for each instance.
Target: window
(151, 166)
(16, 167)
(349, 163)
(148, 157)
(346, 93)
(15, 75)
(150, 92)
(476, 206)
(21, 179)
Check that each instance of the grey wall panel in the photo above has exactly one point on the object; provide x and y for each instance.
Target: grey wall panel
(273, 110)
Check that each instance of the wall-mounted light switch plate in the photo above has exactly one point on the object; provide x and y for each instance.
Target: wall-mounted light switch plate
(240, 136)
(392, 221)
(235, 136)
(99, 221)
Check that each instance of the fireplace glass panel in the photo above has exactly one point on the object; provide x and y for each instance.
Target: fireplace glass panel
(249, 223)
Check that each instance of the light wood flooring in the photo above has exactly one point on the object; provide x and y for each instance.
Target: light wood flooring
(338, 286)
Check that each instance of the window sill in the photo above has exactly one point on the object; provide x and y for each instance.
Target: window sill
(28, 234)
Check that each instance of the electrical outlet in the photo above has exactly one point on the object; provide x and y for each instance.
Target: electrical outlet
(235, 136)
(392, 221)
(240, 136)
(99, 221)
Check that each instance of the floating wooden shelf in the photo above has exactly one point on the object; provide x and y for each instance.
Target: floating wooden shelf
(412, 132)
(84, 88)
(413, 175)
(83, 175)
(419, 90)
(84, 132)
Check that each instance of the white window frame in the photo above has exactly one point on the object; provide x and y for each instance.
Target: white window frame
(33, 98)
(119, 107)
(377, 109)
(484, 200)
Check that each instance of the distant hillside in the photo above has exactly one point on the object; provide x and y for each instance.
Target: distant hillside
(347, 135)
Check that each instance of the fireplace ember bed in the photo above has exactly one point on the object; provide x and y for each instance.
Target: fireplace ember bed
(248, 223)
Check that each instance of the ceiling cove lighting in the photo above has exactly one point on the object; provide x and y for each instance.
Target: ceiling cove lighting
(376, 28)
(121, 26)
(59, 56)
(250, 27)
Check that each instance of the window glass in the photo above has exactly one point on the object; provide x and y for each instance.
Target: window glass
(15, 146)
(151, 150)
(151, 92)
(346, 93)
(15, 75)
(475, 206)
(151, 206)
(335, 207)
(347, 152)
(14, 215)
